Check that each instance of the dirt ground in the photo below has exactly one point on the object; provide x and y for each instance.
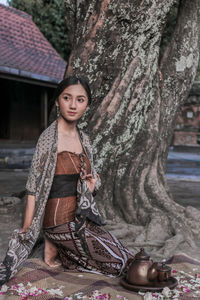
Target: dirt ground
(185, 192)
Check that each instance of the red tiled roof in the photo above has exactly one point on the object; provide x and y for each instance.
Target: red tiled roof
(24, 47)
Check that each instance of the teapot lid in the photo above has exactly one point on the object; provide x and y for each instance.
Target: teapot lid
(163, 267)
(142, 255)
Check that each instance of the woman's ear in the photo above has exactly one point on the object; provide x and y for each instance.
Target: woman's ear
(56, 103)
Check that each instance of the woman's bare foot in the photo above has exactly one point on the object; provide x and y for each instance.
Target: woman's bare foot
(50, 254)
(53, 263)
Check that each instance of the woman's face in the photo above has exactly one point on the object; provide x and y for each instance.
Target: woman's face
(73, 102)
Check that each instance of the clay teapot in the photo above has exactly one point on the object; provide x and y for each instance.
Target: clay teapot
(141, 270)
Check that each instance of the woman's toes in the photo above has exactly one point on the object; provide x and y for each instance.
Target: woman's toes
(53, 264)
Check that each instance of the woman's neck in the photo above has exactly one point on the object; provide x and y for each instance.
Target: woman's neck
(68, 128)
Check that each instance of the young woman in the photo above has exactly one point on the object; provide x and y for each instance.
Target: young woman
(61, 187)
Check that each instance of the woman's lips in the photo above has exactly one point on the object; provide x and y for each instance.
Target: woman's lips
(71, 113)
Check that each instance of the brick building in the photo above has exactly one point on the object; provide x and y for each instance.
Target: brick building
(187, 130)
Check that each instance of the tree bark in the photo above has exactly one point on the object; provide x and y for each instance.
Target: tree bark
(136, 97)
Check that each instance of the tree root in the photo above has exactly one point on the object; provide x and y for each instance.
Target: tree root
(160, 237)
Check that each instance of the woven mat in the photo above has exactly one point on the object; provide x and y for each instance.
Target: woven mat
(39, 275)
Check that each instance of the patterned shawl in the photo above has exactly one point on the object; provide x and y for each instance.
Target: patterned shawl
(39, 184)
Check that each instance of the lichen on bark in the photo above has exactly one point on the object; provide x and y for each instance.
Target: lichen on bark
(136, 96)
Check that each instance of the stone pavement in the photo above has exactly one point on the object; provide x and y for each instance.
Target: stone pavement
(15, 154)
(12, 181)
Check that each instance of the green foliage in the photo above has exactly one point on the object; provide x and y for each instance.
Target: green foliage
(49, 16)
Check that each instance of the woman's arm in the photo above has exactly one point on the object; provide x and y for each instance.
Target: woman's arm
(30, 209)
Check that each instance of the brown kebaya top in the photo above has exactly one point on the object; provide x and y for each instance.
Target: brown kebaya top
(60, 210)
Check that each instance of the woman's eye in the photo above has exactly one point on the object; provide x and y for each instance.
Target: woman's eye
(80, 99)
(66, 98)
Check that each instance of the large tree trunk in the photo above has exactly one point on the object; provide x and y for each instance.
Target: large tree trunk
(136, 96)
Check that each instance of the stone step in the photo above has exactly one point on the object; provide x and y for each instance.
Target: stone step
(16, 155)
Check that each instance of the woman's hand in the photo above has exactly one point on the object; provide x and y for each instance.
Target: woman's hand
(90, 180)
(23, 230)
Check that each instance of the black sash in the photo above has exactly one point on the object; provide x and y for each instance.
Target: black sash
(64, 185)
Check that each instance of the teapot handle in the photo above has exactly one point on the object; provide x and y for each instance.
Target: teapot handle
(128, 262)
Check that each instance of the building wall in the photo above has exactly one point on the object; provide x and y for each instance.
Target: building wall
(22, 111)
(187, 130)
